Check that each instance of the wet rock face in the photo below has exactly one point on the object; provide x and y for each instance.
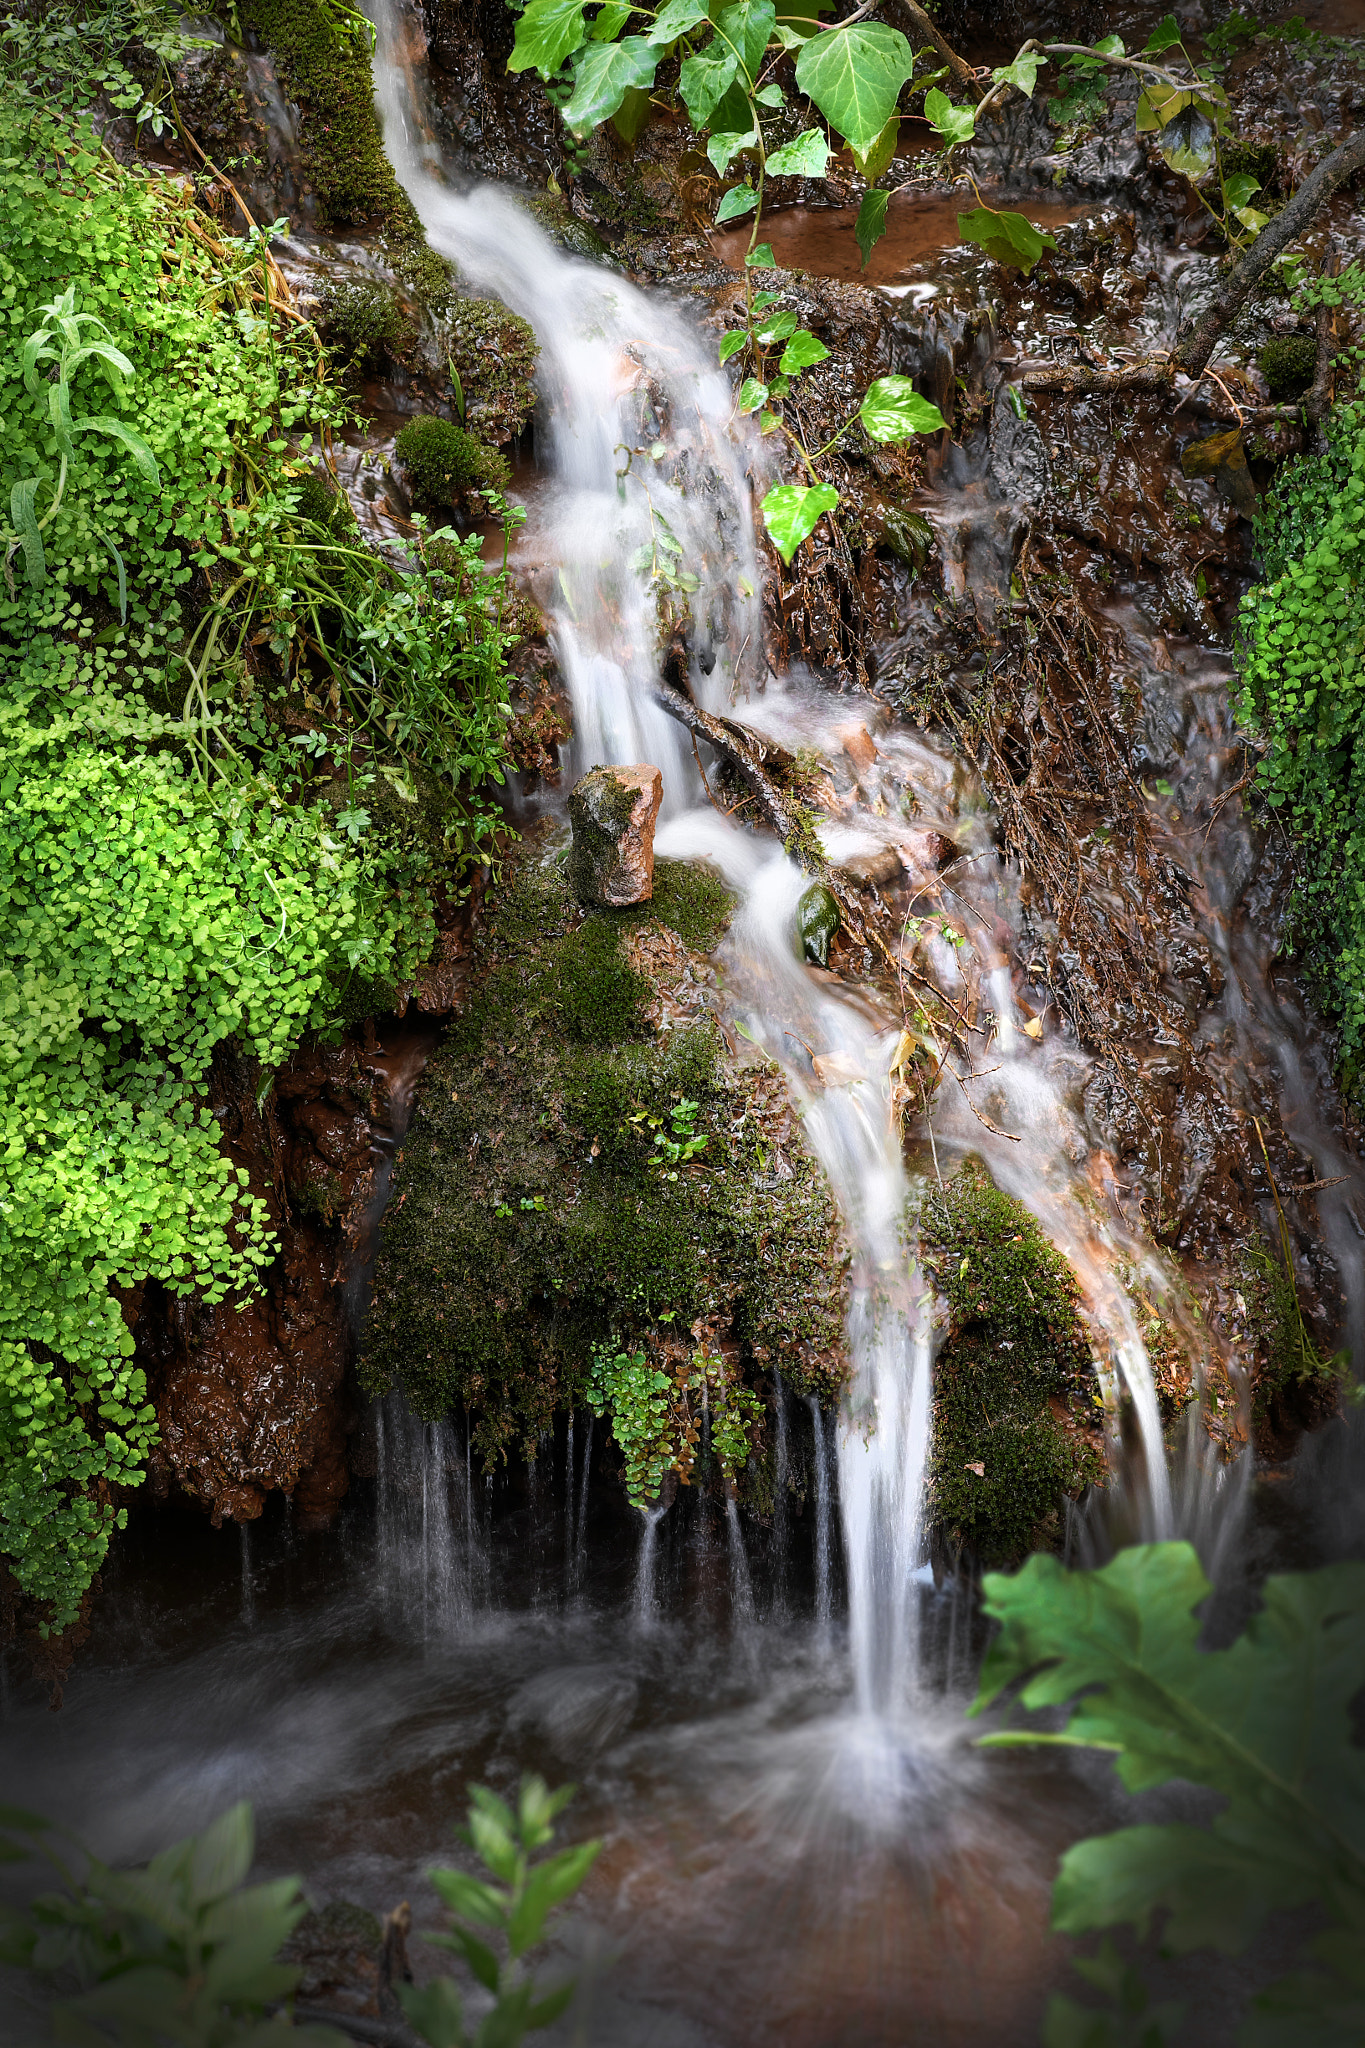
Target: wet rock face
(613, 811)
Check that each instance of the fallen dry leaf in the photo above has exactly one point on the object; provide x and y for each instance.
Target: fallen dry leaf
(836, 1070)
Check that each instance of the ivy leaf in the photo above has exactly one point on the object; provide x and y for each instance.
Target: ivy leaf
(732, 343)
(748, 27)
(791, 512)
(609, 21)
(893, 410)
(632, 114)
(676, 19)
(1023, 72)
(804, 157)
(854, 76)
(1187, 142)
(547, 33)
(761, 258)
(1163, 37)
(705, 79)
(779, 327)
(770, 96)
(1239, 190)
(801, 353)
(1008, 237)
(870, 225)
(954, 124)
(752, 394)
(603, 74)
(872, 162)
(740, 199)
(723, 149)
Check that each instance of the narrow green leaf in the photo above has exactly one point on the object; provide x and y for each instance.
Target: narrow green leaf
(870, 225)
(791, 512)
(893, 410)
(25, 522)
(435, 2011)
(854, 76)
(130, 438)
(122, 574)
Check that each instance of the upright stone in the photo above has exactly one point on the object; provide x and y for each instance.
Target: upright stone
(612, 811)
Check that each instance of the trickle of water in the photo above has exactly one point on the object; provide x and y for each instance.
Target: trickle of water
(823, 1604)
(780, 1517)
(248, 1581)
(581, 1540)
(645, 1602)
(742, 1612)
(430, 1561)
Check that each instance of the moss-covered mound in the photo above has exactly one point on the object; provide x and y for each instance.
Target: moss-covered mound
(360, 319)
(441, 460)
(542, 1204)
(1013, 1385)
(495, 354)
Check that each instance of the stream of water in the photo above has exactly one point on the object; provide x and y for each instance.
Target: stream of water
(801, 1844)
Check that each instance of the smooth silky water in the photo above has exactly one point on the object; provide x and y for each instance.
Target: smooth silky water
(801, 1843)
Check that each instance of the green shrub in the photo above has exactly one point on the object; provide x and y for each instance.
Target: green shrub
(1301, 634)
(442, 461)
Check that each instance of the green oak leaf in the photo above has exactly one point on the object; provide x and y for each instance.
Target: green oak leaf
(705, 79)
(804, 157)
(954, 124)
(854, 76)
(893, 410)
(1008, 237)
(547, 33)
(603, 74)
(870, 225)
(791, 512)
(802, 352)
(739, 200)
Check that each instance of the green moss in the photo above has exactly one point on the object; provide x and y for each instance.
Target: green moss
(362, 321)
(528, 1224)
(1015, 1347)
(562, 225)
(495, 354)
(1288, 363)
(441, 460)
(324, 504)
(690, 900)
(1258, 160)
(328, 75)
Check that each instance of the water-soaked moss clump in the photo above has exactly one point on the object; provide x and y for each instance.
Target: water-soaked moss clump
(495, 354)
(535, 1213)
(1288, 363)
(361, 320)
(441, 460)
(1013, 1382)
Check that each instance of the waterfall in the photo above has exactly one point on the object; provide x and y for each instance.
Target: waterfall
(644, 1603)
(823, 1600)
(637, 435)
(780, 1463)
(430, 1560)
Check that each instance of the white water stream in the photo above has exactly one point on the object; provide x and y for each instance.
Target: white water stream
(637, 432)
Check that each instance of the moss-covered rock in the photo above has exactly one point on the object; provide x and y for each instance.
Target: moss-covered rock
(361, 319)
(441, 462)
(534, 1214)
(494, 353)
(1014, 1383)
(326, 71)
(1288, 363)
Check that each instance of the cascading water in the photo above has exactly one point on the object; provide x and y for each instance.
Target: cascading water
(649, 472)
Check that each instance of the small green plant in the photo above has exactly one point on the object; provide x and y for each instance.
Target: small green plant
(1265, 1723)
(675, 1147)
(442, 461)
(657, 1417)
(514, 1908)
(182, 1951)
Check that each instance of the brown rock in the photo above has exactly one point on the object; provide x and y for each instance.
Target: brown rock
(612, 812)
